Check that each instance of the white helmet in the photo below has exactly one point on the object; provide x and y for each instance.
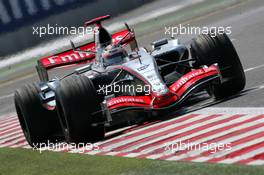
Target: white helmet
(113, 54)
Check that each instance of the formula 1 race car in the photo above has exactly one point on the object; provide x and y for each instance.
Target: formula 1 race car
(120, 82)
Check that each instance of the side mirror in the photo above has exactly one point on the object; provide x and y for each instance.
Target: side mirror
(75, 49)
(128, 28)
(72, 45)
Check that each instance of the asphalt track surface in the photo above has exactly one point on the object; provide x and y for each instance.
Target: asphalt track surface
(247, 25)
(229, 121)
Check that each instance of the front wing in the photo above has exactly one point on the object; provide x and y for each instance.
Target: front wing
(179, 91)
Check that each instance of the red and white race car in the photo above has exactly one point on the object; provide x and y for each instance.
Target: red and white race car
(120, 82)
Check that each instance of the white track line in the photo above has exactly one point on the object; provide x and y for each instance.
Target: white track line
(11, 130)
(19, 140)
(256, 162)
(11, 125)
(6, 96)
(151, 126)
(12, 143)
(27, 146)
(8, 118)
(119, 130)
(197, 152)
(253, 68)
(126, 141)
(244, 156)
(9, 134)
(231, 111)
(193, 153)
(2, 141)
(93, 152)
(225, 152)
(23, 144)
(132, 155)
(148, 150)
(234, 148)
(5, 124)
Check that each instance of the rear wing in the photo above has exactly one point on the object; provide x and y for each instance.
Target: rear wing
(70, 57)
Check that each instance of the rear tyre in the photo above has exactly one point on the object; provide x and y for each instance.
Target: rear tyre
(219, 49)
(39, 125)
(76, 101)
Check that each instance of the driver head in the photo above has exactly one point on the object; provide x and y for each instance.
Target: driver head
(114, 54)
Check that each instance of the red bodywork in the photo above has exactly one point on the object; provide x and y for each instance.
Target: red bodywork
(97, 20)
(70, 57)
(176, 91)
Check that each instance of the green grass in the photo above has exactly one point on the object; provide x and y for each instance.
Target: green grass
(21, 161)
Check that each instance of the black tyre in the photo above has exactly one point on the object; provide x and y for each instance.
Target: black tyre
(219, 49)
(76, 101)
(38, 124)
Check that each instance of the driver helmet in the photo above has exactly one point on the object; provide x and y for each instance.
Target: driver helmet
(114, 54)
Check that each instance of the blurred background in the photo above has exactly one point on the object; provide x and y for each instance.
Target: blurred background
(20, 49)
(17, 18)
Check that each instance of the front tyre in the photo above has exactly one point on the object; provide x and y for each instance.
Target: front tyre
(219, 49)
(76, 101)
(39, 125)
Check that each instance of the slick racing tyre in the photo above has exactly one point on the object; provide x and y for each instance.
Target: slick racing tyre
(39, 125)
(76, 101)
(219, 49)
